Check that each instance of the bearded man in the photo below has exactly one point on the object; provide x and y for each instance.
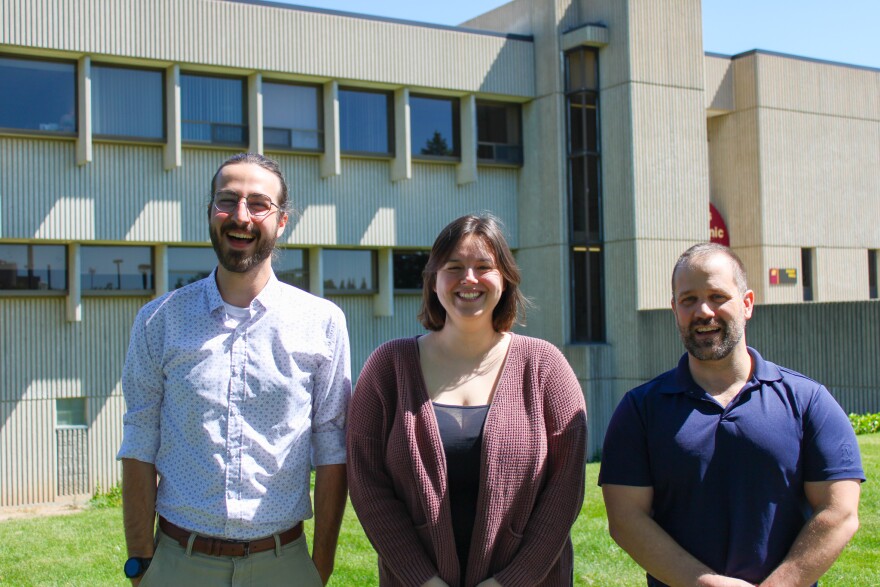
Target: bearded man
(235, 386)
(729, 470)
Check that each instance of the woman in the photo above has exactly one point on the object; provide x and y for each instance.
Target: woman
(466, 445)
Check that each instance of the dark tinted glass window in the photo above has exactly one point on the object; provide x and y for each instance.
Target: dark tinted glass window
(587, 296)
(189, 264)
(128, 102)
(872, 274)
(408, 267)
(585, 196)
(365, 121)
(292, 117)
(38, 95)
(349, 272)
(498, 133)
(213, 109)
(116, 268)
(33, 267)
(434, 124)
(807, 258)
(292, 266)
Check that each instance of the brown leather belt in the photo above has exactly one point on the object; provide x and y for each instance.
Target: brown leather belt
(221, 547)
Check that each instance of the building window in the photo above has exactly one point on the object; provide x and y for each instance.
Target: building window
(434, 124)
(408, 267)
(116, 268)
(349, 271)
(213, 110)
(33, 267)
(807, 266)
(499, 139)
(70, 412)
(365, 122)
(292, 266)
(292, 117)
(128, 103)
(189, 264)
(38, 95)
(585, 196)
(872, 274)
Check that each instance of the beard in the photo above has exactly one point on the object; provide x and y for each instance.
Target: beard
(241, 261)
(719, 345)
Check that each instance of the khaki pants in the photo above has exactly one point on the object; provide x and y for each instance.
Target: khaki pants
(289, 565)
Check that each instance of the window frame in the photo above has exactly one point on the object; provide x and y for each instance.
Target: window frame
(104, 137)
(88, 292)
(389, 101)
(62, 134)
(306, 268)
(519, 145)
(456, 129)
(394, 255)
(374, 262)
(319, 129)
(9, 293)
(245, 125)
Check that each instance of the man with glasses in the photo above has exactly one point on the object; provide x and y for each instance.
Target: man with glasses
(235, 386)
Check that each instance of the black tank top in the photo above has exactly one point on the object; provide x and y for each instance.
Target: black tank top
(461, 431)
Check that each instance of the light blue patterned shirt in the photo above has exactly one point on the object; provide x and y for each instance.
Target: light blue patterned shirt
(234, 416)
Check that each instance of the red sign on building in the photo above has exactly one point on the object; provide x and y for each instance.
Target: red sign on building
(717, 229)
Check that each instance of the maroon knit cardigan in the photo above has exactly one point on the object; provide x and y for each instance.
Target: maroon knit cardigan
(531, 479)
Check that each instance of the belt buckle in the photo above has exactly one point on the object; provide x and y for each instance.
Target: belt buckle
(247, 548)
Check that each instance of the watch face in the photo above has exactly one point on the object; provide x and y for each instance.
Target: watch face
(134, 567)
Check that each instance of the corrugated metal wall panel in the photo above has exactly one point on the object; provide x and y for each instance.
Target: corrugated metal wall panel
(270, 38)
(125, 195)
(66, 359)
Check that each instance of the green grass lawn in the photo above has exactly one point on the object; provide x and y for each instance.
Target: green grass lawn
(88, 549)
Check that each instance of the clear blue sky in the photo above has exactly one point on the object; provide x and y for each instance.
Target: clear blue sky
(847, 31)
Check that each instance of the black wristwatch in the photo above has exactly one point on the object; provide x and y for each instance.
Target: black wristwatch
(136, 566)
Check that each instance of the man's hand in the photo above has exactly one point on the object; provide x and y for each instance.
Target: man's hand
(331, 492)
(490, 582)
(435, 582)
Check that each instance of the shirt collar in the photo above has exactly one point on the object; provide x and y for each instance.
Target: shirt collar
(267, 298)
(764, 372)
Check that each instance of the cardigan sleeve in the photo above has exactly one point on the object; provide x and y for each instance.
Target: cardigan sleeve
(384, 517)
(557, 506)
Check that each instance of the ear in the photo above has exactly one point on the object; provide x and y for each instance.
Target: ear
(748, 303)
(282, 222)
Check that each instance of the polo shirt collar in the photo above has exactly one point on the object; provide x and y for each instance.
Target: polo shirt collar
(267, 298)
(764, 372)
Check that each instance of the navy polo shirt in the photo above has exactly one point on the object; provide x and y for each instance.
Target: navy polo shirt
(728, 482)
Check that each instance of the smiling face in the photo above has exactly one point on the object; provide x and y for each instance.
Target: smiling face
(243, 244)
(469, 284)
(710, 310)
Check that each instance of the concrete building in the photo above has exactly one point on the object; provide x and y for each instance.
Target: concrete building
(598, 131)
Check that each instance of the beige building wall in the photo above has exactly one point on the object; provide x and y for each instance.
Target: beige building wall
(796, 165)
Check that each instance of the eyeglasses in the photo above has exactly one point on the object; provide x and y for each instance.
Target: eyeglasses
(258, 205)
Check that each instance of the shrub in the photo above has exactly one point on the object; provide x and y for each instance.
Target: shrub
(112, 498)
(865, 423)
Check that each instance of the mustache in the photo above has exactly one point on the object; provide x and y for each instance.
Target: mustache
(697, 322)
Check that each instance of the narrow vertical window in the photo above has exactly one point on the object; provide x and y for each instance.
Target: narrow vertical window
(585, 196)
(807, 266)
(872, 274)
